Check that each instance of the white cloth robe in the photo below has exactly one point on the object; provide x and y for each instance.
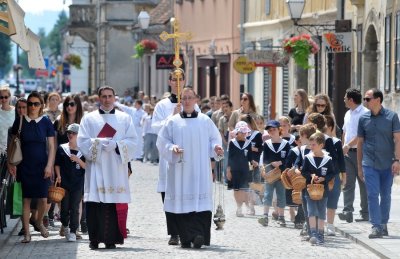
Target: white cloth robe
(162, 112)
(189, 184)
(106, 175)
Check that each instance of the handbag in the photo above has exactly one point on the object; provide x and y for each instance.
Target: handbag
(14, 152)
(17, 199)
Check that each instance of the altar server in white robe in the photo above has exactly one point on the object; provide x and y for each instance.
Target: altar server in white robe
(187, 142)
(164, 110)
(107, 138)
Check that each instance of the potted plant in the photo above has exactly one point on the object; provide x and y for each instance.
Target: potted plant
(73, 60)
(300, 48)
(145, 46)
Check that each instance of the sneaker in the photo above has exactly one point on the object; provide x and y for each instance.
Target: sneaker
(67, 233)
(239, 212)
(313, 239)
(263, 221)
(385, 232)
(78, 236)
(298, 225)
(46, 221)
(376, 233)
(62, 231)
(346, 215)
(282, 221)
(275, 215)
(304, 231)
(251, 211)
(330, 230)
(174, 240)
(51, 223)
(320, 239)
(71, 237)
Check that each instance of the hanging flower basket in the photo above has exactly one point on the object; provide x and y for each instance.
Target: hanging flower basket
(300, 48)
(73, 60)
(145, 47)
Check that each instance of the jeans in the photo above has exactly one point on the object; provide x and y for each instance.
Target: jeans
(70, 209)
(378, 183)
(280, 194)
(333, 196)
(316, 208)
(350, 186)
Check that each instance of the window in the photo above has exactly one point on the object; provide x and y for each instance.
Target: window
(285, 90)
(387, 51)
(267, 7)
(397, 53)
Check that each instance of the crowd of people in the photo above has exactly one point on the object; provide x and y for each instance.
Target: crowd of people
(78, 140)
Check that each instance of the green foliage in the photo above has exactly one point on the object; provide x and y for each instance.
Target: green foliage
(55, 36)
(139, 50)
(74, 60)
(5, 53)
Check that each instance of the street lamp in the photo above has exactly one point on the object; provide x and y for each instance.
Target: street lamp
(296, 8)
(144, 20)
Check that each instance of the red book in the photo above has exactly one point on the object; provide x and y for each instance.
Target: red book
(107, 131)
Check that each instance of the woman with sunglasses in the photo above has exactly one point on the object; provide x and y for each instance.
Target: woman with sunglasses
(72, 113)
(247, 106)
(323, 105)
(52, 111)
(37, 143)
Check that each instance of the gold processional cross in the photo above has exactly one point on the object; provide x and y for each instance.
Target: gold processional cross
(177, 37)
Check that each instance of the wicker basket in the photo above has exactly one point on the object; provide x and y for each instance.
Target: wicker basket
(56, 194)
(298, 182)
(258, 187)
(315, 190)
(296, 197)
(272, 175)
(286, 180)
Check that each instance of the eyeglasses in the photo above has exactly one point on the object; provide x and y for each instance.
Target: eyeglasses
(320, 105)
(36, 104)
(72, 104)
(4, 97)
(244, 99)
(367, 99)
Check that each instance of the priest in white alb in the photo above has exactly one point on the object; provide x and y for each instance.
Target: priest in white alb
(107, 138)
(187, 141)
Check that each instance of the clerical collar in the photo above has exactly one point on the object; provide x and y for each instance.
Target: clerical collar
(101, 111)
(189, 115)
(173, 98)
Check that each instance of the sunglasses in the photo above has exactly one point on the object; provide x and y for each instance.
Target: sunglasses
(4, 97)
(320, 105)
(367, 99)
(36, 104)
(72, 104)
(244, 99)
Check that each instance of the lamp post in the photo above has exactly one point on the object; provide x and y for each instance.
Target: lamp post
(296, 8)
(144, 22)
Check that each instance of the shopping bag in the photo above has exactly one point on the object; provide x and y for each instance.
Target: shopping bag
(17, 199)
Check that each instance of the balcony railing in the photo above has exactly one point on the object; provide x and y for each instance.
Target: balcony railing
(82, 15)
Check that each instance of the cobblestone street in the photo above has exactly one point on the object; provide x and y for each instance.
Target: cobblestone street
(242, 237)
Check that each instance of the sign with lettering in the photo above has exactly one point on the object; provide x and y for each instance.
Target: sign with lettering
(166, 61)
(337, 42)
(243, 66)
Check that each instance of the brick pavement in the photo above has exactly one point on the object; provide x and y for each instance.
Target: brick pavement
(242, 237)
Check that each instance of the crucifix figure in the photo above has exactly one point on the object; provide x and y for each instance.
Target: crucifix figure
(176, 36)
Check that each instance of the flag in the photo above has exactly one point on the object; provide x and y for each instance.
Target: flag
(18, 15)
(35, 57)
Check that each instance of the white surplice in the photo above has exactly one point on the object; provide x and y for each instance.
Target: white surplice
(188, 184)
(106, 176)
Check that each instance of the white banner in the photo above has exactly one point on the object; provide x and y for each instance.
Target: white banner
(35, 57)
(17, 14)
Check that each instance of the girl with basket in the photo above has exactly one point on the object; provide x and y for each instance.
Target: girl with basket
(274, 154)
(318, 170)
(238, 164)
(70, 171)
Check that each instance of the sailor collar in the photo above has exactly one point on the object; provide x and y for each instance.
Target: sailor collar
(67, 150)
(236, 143)
(325, 160)
(36, 120)
(253, 135)
(281, 146)
(192, 115)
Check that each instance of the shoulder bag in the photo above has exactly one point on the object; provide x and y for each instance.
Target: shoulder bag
(14, 152)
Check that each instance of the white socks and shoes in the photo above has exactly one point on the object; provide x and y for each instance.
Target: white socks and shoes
(330, 230)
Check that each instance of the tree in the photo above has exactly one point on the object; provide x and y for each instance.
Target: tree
(54, 38)
(5, 54)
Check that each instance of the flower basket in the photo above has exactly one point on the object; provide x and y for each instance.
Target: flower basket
(300, 48)
(145, 47)
(73, 60)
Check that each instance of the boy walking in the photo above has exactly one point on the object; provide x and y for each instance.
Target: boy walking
(70, 171)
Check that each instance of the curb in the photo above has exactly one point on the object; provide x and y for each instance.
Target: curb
(11, 227)
(359, 238)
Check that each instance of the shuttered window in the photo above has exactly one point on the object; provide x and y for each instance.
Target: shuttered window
(285, 91)
(267, 93)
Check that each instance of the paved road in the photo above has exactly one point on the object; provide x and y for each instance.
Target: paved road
(242, 237)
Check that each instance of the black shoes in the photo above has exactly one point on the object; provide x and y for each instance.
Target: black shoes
(186, 245)
(376, 233)
(84, 228)
(348, 216)
(93, 245)
(362, 218)
(174, 240)
(198, 241)
(385, 232)
(110, 246)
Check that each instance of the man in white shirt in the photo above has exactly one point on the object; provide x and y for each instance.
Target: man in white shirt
(352, 100)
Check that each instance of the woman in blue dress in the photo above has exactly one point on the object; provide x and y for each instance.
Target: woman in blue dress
(35, 170)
